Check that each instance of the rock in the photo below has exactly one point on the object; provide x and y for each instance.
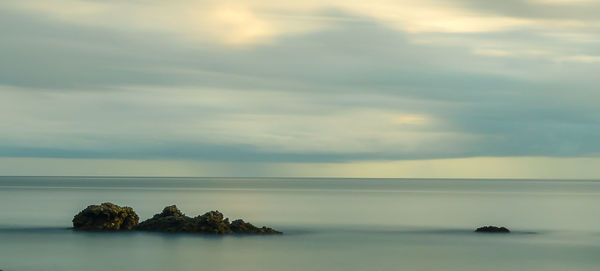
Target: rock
(106, 217)
(213, 222)
(239, 226)
(492, 229)
(170, 211)
(169, 220)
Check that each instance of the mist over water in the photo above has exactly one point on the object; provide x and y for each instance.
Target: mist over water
(329, 224)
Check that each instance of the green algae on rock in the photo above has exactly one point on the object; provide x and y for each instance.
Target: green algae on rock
(106, 217)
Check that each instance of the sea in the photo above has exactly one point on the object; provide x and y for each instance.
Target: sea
(328, 224)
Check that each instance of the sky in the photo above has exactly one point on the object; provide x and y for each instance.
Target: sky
(337, 88)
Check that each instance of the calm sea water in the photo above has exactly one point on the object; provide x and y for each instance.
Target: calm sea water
(329, 224)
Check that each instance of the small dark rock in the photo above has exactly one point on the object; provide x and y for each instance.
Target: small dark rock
(492, 229)
(106, 217)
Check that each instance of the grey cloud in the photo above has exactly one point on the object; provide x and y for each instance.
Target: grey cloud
(514, 106)
(530, 9)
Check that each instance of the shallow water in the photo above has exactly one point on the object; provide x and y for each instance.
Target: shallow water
(329, 224)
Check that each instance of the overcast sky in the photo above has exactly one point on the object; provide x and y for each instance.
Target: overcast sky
(462, 88)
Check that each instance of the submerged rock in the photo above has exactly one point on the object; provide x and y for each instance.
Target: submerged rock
(106, 217)
(492, 229)
(172, 219)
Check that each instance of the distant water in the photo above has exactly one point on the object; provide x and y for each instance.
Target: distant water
(329, 224)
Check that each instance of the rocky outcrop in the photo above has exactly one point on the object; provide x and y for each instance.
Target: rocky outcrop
(213, 223)
(106, 217)
(239, 226)
(111, 217)
(172, 219)
(492, 229)
(169, 220)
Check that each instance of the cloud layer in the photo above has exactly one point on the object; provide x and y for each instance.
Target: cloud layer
(272, 81)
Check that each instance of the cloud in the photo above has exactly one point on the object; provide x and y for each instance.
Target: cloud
(295, 82)
(493, 52)
(580, 59)
(229, 22)
(566, 2)
(482, 167)
(505, 53)
(164, 123)
(239, 125)
(242, 22)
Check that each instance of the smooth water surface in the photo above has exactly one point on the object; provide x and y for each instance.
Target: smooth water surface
(329, 224)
